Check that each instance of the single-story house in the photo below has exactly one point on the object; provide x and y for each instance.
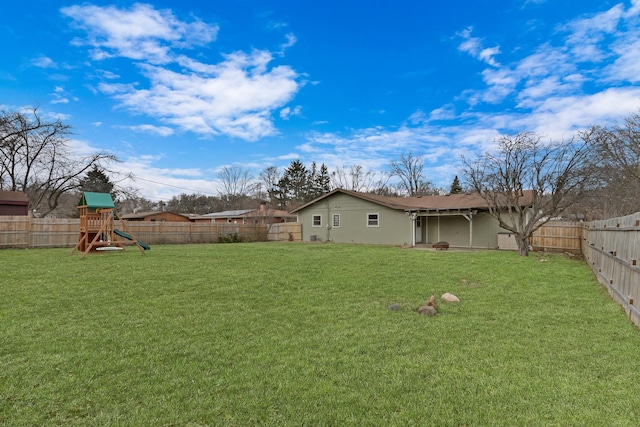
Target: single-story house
(263, 215)
(14, 203)
(160, 216)
(345, 216)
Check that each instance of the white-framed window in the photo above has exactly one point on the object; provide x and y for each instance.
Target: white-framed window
(373, 219)
(336, 221)
(316, 220)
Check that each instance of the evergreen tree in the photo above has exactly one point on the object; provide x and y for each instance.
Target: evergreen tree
(297, 184)
(294, 184)
(319, 182)
(97, 181)
(456, 188)
(322, 181)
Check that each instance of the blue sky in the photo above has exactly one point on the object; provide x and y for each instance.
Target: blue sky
(179, 90)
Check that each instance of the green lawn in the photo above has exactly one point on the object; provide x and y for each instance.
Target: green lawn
(296, 334)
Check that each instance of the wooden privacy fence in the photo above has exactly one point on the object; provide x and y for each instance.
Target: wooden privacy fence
(28, 232)
(558, 236)
(612, 249)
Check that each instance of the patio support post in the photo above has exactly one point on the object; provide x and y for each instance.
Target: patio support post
(413, 216)
(470, 219)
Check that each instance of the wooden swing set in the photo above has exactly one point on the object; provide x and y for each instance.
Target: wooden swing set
(97, 226)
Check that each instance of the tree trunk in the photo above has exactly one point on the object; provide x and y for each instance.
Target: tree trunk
(523, 245)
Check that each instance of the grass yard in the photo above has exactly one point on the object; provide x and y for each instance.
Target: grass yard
(297, 334)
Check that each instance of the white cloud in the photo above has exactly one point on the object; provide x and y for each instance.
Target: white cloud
(60, 96)
(634, 10)
(157, 130)
(140, 32)
(626, 67)
(566, 67)
(106, 74)
(593, 28)
(288, 112)
(234, 97)
(563, 116)
(291, 40)
(501, 83)
(44, 62)
(487, 55)
(473, 46)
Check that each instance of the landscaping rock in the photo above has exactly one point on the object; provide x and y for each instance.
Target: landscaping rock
(432, 302)
(447, 297)
(395, 307)
(427, 310)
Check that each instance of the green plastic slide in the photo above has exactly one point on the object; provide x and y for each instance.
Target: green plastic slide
(128, 237)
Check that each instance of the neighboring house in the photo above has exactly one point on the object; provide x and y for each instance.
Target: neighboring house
(263, 215)
(345, 216)
(160, 216)
(14, 203)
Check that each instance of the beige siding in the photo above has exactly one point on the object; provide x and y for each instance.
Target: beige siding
(394, 226)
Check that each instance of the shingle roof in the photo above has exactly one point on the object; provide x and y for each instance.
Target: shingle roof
(228, 214)
(14, 196)
(437, 202)
(253, 213)
(150, 213)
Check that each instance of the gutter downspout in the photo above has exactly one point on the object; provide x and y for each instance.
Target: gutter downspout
(329, 222)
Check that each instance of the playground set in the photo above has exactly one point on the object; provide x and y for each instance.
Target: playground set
(97, 226)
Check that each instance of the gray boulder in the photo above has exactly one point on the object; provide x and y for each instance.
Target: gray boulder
(427, 310)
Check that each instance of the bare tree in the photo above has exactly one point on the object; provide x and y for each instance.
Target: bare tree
(527, 182)
(35, 157)
(618, 151)
(354, 178)
(237, 183)
(133, 203)
(620, 145)
(410, 170)
(270, 178)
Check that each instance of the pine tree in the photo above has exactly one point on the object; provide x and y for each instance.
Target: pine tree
(97, 181)
(456, 188)
(322, 181)
(319, 182)
(294, 185)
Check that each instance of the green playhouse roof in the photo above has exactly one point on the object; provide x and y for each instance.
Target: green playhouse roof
(96, 200)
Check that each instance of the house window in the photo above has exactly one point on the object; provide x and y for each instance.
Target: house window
(336, 220)
(317, 221)
(373, 220)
